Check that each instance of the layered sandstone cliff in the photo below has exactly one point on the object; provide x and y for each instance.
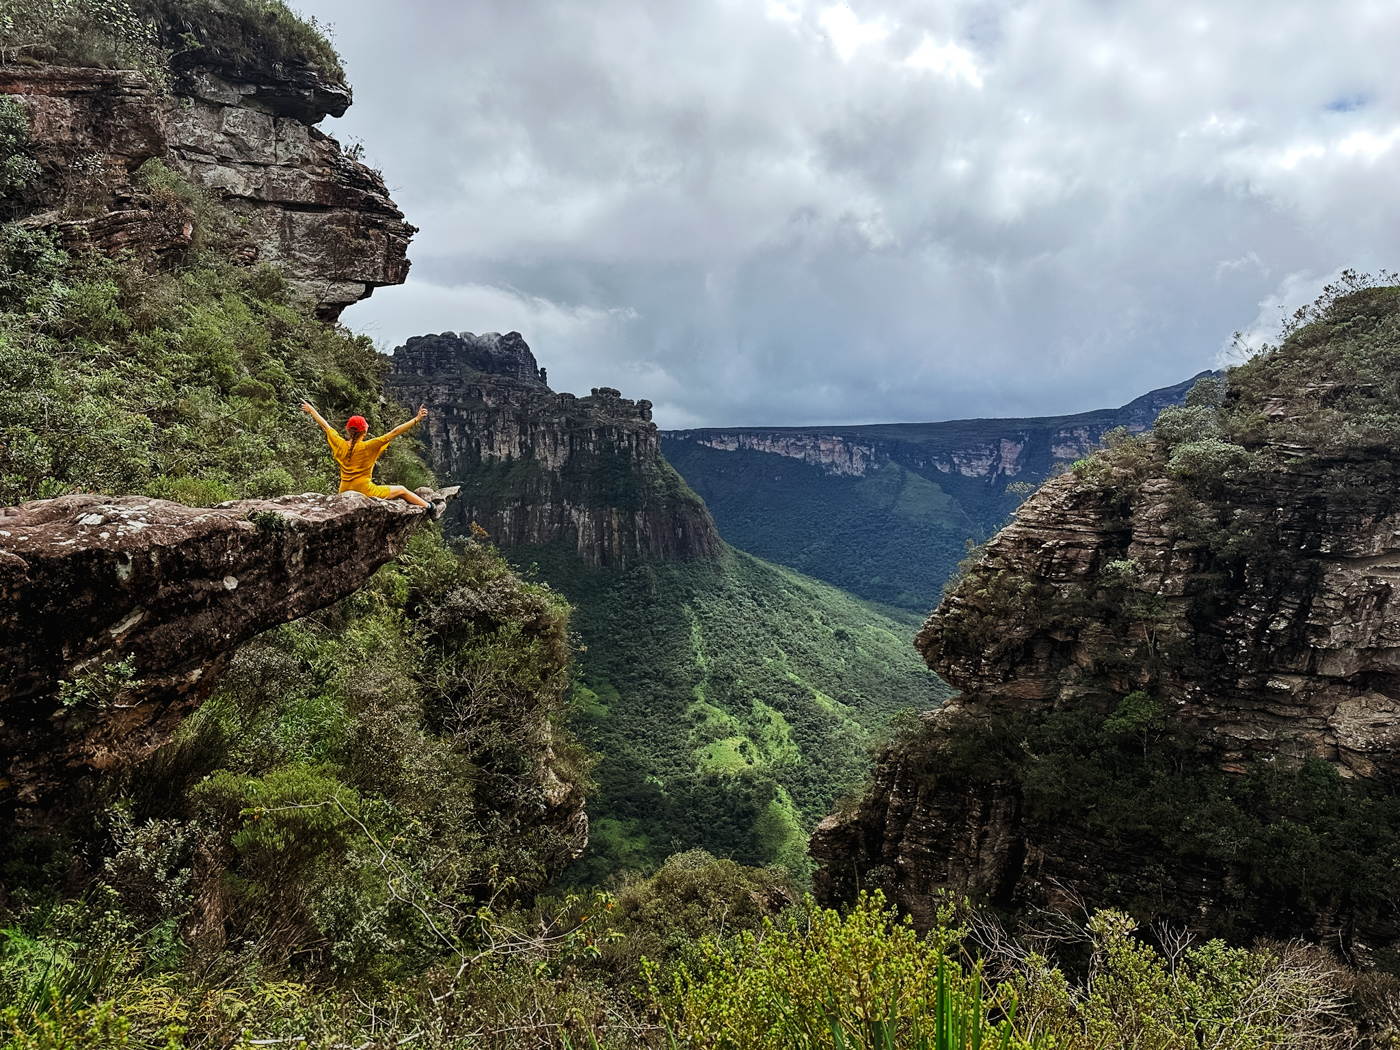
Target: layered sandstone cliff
(992, 450)
(1218, 597)
(247, 137)
(537, 467)
(117, 615)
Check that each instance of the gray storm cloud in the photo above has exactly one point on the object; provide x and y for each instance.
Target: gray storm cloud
(781, 212)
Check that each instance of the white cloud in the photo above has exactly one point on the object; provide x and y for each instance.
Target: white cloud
(947, 60)
(781, 12)
(421, 306)
(848, 33)
(814, 215)
(1368, 144)
(1292, 156)
(1296, 290)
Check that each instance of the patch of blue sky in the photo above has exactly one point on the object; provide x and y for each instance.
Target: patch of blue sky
(1347, 103)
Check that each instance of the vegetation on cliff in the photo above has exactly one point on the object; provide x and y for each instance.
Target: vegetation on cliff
(1081, 686)
(180, 383)
(143, 34)
(891, 536)
(733, 701)
(351, 844)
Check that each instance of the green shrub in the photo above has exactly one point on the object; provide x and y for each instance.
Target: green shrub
(17, 166)
(863, 980)
(690, 896)
(244, 35)
(1207, 462)
(185, 385)
(1178, 424)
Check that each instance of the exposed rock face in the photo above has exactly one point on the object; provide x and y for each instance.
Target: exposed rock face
(321, 215)
(167, 592)
(1104, 586)
(986, 449)
(492, 354)
(537, 467)
(1306, 661)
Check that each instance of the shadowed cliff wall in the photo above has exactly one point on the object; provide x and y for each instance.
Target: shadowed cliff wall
(536, 467)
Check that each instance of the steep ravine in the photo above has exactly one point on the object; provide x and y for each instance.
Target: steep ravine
(730, 700)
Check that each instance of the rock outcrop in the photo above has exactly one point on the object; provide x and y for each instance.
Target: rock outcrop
(302, 202)
(1305, 663)
(117, 615)
(536, 467)
(1245, 592)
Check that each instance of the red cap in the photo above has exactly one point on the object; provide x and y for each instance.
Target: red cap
(356, 423)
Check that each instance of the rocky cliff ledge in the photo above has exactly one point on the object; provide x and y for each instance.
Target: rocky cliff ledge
(537, 467)
(246, 136)
(117, 615)
(1173, 652)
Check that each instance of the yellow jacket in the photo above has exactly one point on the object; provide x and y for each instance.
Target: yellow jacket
(357, 464)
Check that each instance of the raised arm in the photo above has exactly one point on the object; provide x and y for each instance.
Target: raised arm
(306, 407)
(404, 428)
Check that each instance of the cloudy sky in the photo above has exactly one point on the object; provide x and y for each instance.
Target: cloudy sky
(793, 211)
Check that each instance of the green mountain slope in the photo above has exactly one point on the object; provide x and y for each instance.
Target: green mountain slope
(885, 511)
(891, 536)
(732, 701)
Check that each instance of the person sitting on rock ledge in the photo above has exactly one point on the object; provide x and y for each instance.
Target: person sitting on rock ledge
(356, 456)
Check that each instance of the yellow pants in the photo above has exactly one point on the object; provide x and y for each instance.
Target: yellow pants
(367, 488)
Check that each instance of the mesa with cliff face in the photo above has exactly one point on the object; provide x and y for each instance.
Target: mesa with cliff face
(1178, 671)
(538, 467)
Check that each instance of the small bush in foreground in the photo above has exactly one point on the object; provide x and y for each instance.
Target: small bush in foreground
(863, 980)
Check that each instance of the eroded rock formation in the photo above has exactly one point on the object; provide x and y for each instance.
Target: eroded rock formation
(117, 614)
(247, 137)
(1305, 663)
(538, 467)
(1251, 605)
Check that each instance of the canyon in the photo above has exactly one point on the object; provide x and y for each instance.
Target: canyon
(729, 697)
(1220, 595)
(990, 450)
(885, 511)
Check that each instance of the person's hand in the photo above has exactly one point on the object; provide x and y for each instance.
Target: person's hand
(422, 412)
(306, 407)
